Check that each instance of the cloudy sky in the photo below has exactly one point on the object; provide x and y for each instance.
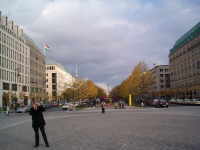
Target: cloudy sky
(105, 37)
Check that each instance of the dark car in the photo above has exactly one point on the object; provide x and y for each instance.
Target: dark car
(160, 103)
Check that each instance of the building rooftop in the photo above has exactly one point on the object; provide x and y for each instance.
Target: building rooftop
(158, 66)
(53, 62)
(187, 37)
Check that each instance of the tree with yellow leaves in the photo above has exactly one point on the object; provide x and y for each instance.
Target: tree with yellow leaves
(137, 83)
(82, 89)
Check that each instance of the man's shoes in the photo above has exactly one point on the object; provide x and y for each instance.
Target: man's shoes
(35, 146)
(47, 145)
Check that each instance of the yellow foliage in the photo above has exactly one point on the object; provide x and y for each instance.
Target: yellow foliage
(138, 82)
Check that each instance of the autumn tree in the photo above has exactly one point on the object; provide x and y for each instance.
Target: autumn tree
(100, 92)
(83, 89)
(137, 83)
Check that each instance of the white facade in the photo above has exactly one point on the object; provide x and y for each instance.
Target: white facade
(161, 77)
(14, 64)
(57, 80)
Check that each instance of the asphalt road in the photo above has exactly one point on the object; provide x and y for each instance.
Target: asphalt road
(175, 128)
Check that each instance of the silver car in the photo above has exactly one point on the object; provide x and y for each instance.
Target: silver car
(23, 109)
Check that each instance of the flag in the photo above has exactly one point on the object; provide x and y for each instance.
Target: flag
(46, 47)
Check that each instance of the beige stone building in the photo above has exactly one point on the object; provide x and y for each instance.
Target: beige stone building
(57, 79)
(14, 64)
(184, 61)
(161, 78)
(37, 72)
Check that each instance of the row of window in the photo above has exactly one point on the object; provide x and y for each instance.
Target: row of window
(164, 75)
(12, 54)
(13, 77)
(15, 44)
(53, 75)
(9, 64)
(37, 90)
(14, 87)
(13, 33)
(164, 70)
(185, 49)
(54, 87)
(50, 67)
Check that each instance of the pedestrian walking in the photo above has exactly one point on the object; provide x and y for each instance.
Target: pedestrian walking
(38, 123)
(103, 107)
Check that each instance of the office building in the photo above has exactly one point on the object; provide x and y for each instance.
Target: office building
(184, 62)
(161, 77)
(37, 72)
(14, 64)
(57, 80)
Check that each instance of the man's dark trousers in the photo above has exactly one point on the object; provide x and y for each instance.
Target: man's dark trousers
(42, 129)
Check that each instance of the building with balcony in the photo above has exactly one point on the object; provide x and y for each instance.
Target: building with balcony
(14, 64)
(184, 63)
(57, 80)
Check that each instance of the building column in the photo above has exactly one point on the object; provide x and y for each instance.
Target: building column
(1, 95)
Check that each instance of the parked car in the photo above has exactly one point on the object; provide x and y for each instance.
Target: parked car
(160, 103)
(23, 109)
(68, 106)
(46, 106)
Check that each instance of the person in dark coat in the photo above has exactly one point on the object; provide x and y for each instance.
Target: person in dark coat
(38, 122)
(103, 107)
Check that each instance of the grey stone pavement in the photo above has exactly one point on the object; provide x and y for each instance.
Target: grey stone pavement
(175, 128)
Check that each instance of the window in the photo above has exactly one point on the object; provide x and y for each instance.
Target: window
(161, 70)
(14, 87)
(54, 87)
(53, 80)
(24, 88)
(54, 93)
(53, 75)
(161, 75)
(6, 86)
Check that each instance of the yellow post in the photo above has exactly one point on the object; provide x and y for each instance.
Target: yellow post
(130, 100)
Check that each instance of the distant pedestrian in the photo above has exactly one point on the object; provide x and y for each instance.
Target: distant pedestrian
(7, 110)
(15, 107)
(103, 107)
(38, 122)
(142, 104)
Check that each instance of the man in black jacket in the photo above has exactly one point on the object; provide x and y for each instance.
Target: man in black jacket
(38, 122)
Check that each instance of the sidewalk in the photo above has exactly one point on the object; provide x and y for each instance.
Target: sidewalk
(2, 114)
